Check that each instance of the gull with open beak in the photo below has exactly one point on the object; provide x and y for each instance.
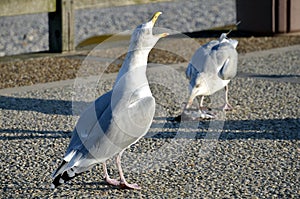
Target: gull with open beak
(117, 119)
(211, 68)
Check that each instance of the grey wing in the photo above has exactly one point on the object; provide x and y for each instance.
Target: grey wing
(85, 135)
(227, 58)
(127, 126)
(190, 71)
(201, 60)
(136, 120)
(113, 131)
(89, 119)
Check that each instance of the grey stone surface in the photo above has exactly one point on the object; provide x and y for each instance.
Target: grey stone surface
(29, 33)
(251, 152)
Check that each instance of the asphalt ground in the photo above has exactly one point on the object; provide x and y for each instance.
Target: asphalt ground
(250, 152)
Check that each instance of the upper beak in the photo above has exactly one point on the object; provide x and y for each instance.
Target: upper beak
(155, 17)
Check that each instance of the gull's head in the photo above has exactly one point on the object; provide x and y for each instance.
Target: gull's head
(197, 87)
(224, 38)
(143, 38)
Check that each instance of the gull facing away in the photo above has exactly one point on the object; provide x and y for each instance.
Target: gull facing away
(117, 119)
(211, 68)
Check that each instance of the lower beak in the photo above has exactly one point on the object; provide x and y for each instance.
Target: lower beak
(163, 35)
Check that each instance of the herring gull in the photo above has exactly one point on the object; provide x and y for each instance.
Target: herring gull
(117, 119)
(211, 68)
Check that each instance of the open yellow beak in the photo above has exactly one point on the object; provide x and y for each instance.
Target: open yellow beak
(155, 17)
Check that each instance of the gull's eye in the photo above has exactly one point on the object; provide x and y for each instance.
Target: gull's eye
(197, 85)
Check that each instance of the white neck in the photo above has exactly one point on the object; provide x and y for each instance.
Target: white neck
(132, 75)
(135, 61)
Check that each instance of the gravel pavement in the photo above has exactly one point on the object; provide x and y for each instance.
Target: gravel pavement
(29, 33)
(250, 152)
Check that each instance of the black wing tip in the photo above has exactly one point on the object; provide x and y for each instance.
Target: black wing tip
(57, 181)
(61, 165)
(62, 178)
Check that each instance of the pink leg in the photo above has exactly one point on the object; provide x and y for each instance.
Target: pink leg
(201, 101)
(227, 106)
(107, 178)
(201, 107)
(123, 183)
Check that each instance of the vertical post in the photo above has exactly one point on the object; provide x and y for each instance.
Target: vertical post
(281, 16)
(61, 27)
(294, 15)
(256, 15)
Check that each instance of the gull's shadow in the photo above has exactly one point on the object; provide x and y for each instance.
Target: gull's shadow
(276, 129)
(272, 129)
(273, 77)
(47, 106)
(21, 134)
